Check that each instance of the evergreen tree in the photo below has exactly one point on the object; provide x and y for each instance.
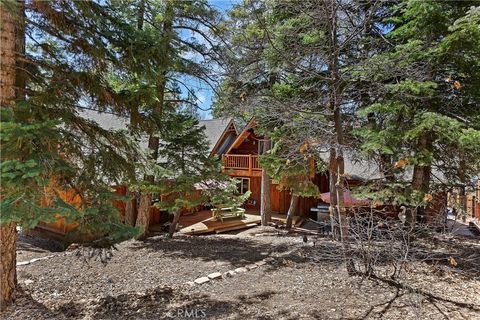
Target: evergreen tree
(58, 59)
(185, 165)
(297, 57)
(173, 45)
(423, 107)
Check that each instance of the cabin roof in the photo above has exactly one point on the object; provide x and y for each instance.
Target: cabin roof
(214, 128)
(243, 135)
(358, 169)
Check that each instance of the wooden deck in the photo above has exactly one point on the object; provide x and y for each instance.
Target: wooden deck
(202, 222)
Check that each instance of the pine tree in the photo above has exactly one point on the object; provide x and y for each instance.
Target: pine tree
(423, 108)
(46, 146)
(173, 44)
(184, 163)
(11, 15)
(296, 58)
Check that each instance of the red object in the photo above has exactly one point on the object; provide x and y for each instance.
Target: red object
(348, 199)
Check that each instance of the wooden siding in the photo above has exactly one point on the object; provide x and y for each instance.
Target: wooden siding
(60, 226)
(248, 146)
(280, 199)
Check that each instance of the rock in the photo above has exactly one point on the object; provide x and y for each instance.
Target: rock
(251, 266)
(28, 282)
(214, 275)
(241, 269)
(201, 280)
(229, 274)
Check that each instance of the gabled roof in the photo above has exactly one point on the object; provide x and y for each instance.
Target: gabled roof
(243, 135)
(215, 129)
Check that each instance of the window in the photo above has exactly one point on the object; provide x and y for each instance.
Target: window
(243, 185)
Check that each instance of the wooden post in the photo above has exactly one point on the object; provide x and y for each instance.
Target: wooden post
(250, 164)
(312, 168)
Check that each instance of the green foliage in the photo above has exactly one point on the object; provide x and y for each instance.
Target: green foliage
(225, 193)
(47, 148)
(424, 87)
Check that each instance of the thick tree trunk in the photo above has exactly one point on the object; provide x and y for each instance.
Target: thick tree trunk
(7, 57)
(265, 208)
(143, 218)
(173, 226)
(8, 264)
(292, 210)
(12, 82)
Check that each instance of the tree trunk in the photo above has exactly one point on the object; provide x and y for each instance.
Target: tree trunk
(421, 176)
(340, 187)
(143, 218)
(336, 150)
(461, 192)
(8, 271)
(130, 205)
(8, 58)
(12, 83)
(335, 97)
(333, 173)
(292, 210)
(173, 226)
(265, 209)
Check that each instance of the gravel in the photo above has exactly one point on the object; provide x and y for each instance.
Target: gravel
(155, 280)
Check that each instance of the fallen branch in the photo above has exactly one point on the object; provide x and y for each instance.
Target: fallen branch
(431, 297)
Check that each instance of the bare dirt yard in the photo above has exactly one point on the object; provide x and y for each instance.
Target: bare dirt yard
(278, 276)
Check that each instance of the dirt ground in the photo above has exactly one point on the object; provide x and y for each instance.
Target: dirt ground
(152, 280)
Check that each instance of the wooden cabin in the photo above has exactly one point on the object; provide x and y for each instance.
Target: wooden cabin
(239, 152)
(240, 161)
(220, 134)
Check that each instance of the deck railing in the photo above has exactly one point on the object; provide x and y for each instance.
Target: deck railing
(241, 162)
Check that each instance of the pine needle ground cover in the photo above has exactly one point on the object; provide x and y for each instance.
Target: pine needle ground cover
(300, 281)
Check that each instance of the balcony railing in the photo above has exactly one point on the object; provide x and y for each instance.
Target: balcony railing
(241, 162)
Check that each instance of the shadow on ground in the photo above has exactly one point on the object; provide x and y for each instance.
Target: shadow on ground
(236, 250)
(158, 303)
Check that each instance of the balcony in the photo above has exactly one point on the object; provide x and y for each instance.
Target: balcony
(242, 164)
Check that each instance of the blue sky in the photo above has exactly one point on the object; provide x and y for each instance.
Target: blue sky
(203, 92)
